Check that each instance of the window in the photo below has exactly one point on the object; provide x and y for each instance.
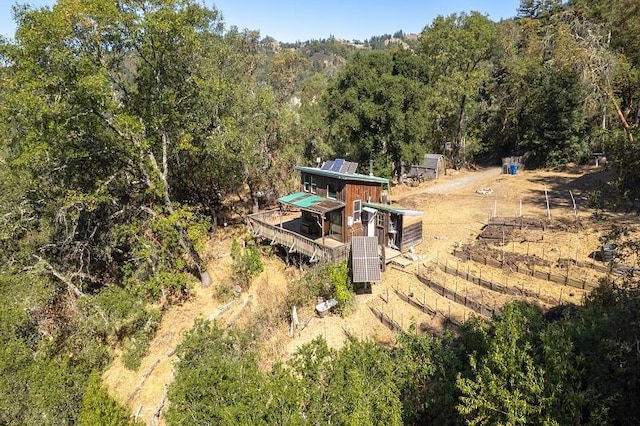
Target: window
(380, 220)
(357, 210)
(332, 192)
(305, 185)
(314, 187)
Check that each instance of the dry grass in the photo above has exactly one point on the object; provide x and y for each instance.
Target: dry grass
(450, 219)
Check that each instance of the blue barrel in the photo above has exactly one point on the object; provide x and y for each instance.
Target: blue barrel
(513, 168)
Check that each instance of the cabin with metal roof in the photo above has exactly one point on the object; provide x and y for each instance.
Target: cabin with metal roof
(433, 166)
(332, 205)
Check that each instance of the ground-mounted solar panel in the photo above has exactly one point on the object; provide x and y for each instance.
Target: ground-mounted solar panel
(365, 260)
(337, 165)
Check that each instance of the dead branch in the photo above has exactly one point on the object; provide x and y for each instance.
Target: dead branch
(237, 315)
(144, 378)
(220, 311)
(72, 288)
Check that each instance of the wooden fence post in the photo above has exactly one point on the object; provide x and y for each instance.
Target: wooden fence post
(520, 211)
(546, 196)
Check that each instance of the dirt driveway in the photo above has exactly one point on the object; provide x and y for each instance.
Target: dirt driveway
(462, 181)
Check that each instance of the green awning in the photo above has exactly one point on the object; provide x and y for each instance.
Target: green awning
(311, 202)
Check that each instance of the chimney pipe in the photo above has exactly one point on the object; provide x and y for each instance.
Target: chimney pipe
(370, 167)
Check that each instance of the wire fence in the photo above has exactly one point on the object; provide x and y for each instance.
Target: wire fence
(385, 319)
(499, 288)
(583, 283)
(416, 303)
(464, 300)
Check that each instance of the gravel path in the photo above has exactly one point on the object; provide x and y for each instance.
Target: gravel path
(462, 181)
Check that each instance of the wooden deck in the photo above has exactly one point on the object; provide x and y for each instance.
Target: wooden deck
(285, 231)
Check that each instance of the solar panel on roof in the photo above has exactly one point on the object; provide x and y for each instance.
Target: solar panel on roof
(337, 165)
(365, 260)
(350, 168)
(327, 165)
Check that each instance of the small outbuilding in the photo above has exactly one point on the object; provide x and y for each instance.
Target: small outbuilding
(433, 166)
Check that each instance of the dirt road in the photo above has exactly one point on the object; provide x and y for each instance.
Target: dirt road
(461, 181)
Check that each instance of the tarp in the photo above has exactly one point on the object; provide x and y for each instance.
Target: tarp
(311, 202)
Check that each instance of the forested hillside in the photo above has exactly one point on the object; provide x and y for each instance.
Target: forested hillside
(134, 131)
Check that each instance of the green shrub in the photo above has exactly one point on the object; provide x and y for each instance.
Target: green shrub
(99, 408)
(223, 292)
(325, 281)
(342, 287)
(246, 264)
(136, 347)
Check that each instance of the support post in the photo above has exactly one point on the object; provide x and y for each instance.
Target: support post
(575, 210)
(520, 206)
(546, 196)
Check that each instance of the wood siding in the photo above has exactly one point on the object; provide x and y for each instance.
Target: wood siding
(322, 183)
(363, 191)
(411, 234)
(347, 191)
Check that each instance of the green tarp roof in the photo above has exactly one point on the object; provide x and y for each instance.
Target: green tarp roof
(301, 199)
(312, 202)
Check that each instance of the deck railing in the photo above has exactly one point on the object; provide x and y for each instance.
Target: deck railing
(262, 225)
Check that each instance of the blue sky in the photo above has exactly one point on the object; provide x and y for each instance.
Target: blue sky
(293, 20)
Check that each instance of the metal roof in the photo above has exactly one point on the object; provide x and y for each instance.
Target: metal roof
(394, 209)
(311, 202)
(369, 210)
(365, 260)
(431, 161)
(341, 175)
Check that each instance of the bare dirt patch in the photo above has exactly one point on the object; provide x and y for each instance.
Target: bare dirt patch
(144, 390)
